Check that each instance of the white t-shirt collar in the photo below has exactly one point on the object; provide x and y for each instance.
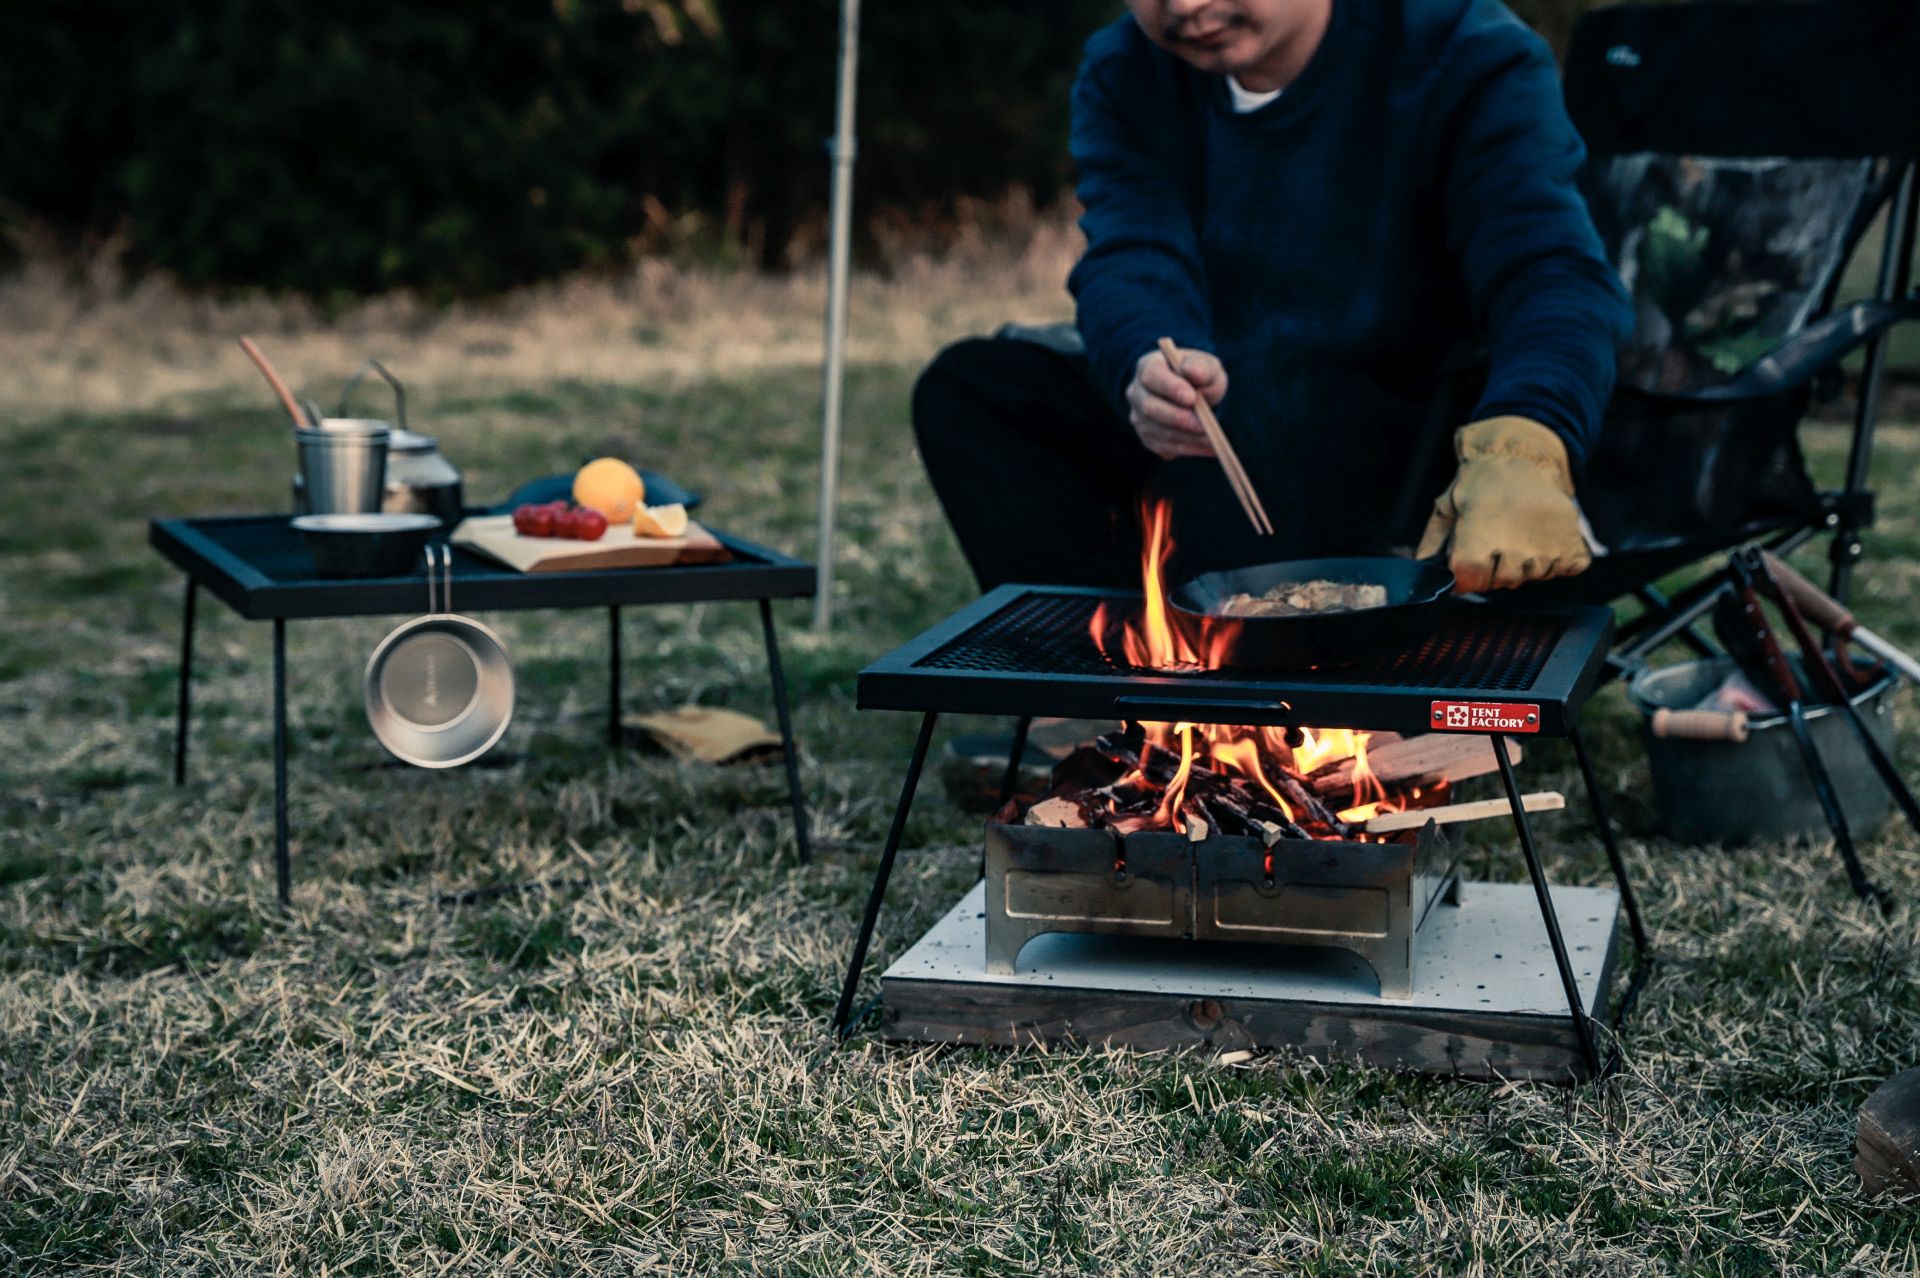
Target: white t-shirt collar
(1245, 99)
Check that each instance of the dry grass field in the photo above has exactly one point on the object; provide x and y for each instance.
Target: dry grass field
(626, 1070)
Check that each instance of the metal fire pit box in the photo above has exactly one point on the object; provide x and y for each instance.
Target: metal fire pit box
(1368, 898)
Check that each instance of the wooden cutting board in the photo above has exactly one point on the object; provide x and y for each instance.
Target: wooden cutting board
(494, 537)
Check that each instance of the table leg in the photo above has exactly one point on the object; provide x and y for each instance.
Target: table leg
(842, 1015)
(1604, 820)
(613, 675)
(1642, 950)
(1576, 1006)
(789, 749)
(282, 866)
(183, 712)
(1011, 781)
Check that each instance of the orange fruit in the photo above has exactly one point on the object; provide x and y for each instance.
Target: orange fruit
(610, 486)
(660, 521)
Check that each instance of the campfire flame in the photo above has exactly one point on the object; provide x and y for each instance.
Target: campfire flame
(1158, 638)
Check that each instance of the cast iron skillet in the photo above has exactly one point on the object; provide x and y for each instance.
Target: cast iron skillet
(1416, 591)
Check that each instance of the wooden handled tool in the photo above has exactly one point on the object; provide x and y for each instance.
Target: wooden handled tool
(1454, 813)
(1217, 438)
(1701, 725)
(1832, 616)
(273, 379)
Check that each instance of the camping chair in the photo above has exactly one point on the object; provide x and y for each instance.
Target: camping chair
(1738, 153)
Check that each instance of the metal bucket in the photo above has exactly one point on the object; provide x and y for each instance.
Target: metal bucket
(1757, 789)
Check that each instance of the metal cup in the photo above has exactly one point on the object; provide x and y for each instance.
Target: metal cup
(343, 467)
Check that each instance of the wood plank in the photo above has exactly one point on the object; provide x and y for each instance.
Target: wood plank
(1427, 759)
(1486, 1000)
(1463, 1044)
(1455, 813)
(494, 537)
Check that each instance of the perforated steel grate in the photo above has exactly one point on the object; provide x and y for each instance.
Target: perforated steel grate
(1042, 634)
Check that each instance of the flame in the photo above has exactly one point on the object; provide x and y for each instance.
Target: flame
(1234, 750)
(1160, 637)
(1168, 813)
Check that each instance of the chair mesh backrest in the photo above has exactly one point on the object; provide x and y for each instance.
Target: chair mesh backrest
(1724, 256)
(1737, 152)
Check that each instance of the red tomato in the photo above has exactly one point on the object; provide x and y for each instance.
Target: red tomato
(589, 525)
(539, 522)
(567, 524)
(522, 520)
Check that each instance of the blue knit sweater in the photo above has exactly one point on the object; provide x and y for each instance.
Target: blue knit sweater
(1411, 189)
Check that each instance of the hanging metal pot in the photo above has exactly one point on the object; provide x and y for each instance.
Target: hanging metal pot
(440, 688)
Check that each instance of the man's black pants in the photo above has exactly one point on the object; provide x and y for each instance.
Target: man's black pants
(1043, 482)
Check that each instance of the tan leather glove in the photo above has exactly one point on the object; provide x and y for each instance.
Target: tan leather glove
(1509, 512)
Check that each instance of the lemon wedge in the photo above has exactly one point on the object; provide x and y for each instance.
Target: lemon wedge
(660, 521)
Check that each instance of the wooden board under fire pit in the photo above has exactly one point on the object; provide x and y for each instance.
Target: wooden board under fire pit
(1487, 1001)
(494, 537)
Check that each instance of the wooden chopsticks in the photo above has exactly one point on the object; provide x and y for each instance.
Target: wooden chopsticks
(1229, 460)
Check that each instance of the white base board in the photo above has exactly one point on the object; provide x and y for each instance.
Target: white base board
(1487, 997)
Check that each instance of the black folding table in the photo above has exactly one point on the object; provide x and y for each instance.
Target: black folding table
(258, 566)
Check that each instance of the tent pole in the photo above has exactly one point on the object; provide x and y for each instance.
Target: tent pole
(839, 251)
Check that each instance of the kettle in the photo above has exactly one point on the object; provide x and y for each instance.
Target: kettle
(419, 480)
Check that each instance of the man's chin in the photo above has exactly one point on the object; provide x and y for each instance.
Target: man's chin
(1224, 59)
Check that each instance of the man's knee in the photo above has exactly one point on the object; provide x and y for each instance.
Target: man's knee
(948, 393)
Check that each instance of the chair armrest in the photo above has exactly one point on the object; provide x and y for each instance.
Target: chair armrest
(1799, 358)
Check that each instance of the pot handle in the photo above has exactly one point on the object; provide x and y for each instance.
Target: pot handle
(440, 600)
(399, 391)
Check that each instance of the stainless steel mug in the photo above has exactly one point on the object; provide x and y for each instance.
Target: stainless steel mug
(343, 465)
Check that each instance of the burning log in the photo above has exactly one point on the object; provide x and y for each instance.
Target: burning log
(1091, 768)
(1311, 811)
(1423, 761)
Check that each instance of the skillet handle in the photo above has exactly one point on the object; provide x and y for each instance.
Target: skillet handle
(1202, 710)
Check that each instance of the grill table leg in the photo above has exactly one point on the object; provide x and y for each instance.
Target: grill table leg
(1011, 780)
(791, 752)
(282, 866)
(841, 1015)
(183, 712)
(1576, 1006)
(1604, 820)
(613, 675)
(1642, 950)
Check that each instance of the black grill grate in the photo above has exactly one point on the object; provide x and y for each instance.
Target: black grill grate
(1042, 634)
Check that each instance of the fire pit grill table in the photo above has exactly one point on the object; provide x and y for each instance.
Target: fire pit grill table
(1029, 650)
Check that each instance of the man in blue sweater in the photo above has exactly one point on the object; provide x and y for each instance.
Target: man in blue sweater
(1319, 201)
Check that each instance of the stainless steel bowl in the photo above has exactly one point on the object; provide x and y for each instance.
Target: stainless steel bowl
(365, 545)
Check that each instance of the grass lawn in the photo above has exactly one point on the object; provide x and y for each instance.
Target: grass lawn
(629, 1073)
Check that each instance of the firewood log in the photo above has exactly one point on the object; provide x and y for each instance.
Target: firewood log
(1120, 748)
(1308, 810)
(1424, 760)
(1061, 812)
(1887, 1146)
(1088, 768)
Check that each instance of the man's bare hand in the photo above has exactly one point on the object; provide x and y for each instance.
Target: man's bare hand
(1161, 399)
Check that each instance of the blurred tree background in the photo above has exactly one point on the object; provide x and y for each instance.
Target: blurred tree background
(461, 147)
